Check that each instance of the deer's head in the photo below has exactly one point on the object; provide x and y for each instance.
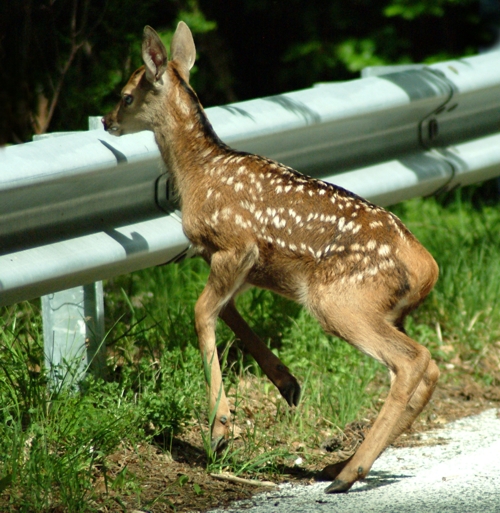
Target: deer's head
(141, 97)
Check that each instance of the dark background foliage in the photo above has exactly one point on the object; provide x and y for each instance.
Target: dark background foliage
(63, 60)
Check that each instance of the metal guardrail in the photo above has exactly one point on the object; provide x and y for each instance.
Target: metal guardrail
(82, 207)
(86, 206)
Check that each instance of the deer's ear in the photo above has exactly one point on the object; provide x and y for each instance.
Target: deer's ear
(154, 55)
(182, 48)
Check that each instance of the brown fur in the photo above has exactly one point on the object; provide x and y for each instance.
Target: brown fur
(352, 264)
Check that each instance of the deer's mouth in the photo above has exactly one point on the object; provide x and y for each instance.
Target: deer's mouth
(110, 127)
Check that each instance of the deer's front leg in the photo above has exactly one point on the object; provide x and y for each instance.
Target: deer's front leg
(206, 311)
(271, 365)
(228, 271)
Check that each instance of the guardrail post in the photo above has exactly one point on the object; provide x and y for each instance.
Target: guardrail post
(73, 329)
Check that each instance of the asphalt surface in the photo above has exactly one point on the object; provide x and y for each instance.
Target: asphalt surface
(461, 474)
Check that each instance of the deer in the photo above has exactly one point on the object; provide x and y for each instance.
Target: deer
(258, 223)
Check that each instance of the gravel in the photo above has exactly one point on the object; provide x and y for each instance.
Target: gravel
(458, 472)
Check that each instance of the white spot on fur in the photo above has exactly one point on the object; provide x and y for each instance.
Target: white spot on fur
(238, 186)
(226, 213)
(349, 226)
(248, 206)
(207, 152)
(387, 264)
(384, 250)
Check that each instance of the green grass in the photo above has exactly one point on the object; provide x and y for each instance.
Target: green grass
(51, 443)
(54, 445)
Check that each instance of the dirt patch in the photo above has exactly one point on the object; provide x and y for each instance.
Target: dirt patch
(154, 480)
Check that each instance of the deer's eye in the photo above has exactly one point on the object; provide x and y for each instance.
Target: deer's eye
(128, 99)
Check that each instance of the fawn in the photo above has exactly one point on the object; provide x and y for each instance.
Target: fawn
(354, 265)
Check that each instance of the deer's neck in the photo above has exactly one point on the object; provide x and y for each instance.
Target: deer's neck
(187, 141)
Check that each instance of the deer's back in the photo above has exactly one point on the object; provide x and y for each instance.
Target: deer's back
(304, 228)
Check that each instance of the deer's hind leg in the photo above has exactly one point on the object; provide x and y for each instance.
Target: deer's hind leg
(270, 364)
(417, 403)
(413, 374)
(228, 272)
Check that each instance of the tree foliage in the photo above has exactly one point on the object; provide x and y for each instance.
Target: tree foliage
(63, 60)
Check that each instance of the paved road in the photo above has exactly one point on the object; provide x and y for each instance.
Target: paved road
(460, 476)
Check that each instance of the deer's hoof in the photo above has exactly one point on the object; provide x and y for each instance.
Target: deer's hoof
(291, 393)
(218, 444)
(330, 472)
(338, 486)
